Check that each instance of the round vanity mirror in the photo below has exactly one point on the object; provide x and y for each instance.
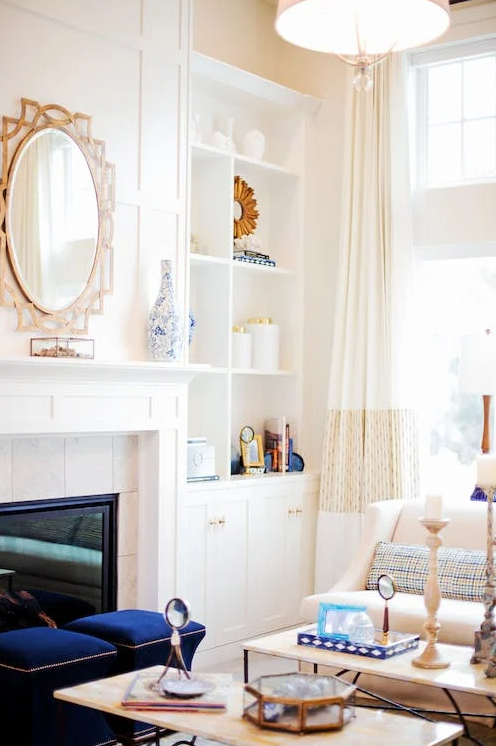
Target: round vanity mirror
(386, 587)
(177, 613)
(52, 219)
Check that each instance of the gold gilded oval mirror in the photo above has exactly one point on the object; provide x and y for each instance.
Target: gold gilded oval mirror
(57, 201)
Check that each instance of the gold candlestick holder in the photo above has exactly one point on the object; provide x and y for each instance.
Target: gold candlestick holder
(431, 657)
(485, 637)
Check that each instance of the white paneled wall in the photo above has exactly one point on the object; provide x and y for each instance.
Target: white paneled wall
(39, 468)
(125, 64)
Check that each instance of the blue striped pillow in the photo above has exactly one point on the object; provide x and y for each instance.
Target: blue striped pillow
(461, 572)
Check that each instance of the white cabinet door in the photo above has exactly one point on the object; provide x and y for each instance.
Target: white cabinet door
(227, 583)
(282, 536)
(268, 550)
(215, 564)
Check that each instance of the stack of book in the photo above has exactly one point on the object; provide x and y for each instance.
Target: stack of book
(253, 257)
(144, 693)
(278, 444)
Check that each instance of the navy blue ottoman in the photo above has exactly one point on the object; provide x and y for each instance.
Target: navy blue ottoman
(142, 639)
(33, 663)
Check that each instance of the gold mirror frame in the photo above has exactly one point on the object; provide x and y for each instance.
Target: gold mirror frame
(245, 197)
(31, 315)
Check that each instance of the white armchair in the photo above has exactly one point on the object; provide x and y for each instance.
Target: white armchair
(395, 522)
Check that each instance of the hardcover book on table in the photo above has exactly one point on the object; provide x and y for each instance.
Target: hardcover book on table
(144, 693)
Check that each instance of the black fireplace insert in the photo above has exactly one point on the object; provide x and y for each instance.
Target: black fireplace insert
(62, 546)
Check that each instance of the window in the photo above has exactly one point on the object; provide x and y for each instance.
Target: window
(458, 297)
(456, 114)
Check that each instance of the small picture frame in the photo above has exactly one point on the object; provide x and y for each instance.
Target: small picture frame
(334, 619)
(252, 453)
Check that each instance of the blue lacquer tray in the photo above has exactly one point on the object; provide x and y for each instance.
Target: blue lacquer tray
(398, 643)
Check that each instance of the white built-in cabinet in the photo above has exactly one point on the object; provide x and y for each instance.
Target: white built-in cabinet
(247, 553)
(249, 556)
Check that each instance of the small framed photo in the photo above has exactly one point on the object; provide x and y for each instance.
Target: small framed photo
(334, 619)
(252, 453)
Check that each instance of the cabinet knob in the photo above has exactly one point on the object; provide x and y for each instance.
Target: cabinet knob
(298, 511)
(213, 522)
(221, 521)
(291, 511)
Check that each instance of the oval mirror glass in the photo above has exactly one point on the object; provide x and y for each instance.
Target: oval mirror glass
(52, 219)
(177, 613)
(386, 587)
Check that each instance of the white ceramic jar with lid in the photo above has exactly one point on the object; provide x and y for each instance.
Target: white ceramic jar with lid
(265, 343)
(241, 347)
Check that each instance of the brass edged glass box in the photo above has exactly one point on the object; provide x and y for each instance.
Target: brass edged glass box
(299, 702)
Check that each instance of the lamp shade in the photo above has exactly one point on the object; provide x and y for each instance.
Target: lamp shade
(477, 371)
(357, 27)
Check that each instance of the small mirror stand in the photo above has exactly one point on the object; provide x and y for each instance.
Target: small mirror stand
(386, 588)
(177, 616)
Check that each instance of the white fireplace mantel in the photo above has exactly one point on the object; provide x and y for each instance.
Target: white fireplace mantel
(58, 396)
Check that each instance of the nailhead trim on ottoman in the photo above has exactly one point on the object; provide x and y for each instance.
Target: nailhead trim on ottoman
(33, 663)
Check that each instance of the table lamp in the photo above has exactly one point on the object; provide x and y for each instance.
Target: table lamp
(477, 375)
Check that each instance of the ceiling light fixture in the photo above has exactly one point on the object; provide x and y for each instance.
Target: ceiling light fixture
(361, 32)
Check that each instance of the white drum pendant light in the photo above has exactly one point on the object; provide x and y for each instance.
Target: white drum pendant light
(361, 32)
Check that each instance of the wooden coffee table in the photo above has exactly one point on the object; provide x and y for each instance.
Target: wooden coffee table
(461, 676)
(375, 728)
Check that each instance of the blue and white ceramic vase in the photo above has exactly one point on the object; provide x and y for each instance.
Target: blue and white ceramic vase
(166, 322)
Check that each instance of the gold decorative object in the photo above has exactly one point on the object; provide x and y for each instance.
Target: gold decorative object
(245, 208)
(431, 657)
(252, 454)
(55, 264)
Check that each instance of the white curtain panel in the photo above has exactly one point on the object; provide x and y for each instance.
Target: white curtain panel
(371, 439)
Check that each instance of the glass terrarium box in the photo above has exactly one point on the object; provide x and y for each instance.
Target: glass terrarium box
(62, 347)
(299, 702)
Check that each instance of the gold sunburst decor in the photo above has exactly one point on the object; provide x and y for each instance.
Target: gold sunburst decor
(245, 221)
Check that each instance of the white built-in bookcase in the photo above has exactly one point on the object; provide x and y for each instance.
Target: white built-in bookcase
(223, 292)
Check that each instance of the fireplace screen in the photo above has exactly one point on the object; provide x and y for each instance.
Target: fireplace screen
(64, 545)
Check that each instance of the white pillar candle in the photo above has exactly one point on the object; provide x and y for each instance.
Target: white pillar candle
(486, 470)
(433, 509)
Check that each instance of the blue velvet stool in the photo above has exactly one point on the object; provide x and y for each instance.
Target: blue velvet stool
(142, 639)
(33, 663)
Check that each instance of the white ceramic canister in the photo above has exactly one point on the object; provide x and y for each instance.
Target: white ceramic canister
(264, 343)
(254, 144)
(241, 347)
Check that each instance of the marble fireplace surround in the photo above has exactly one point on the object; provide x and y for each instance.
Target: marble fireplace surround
(43, 398)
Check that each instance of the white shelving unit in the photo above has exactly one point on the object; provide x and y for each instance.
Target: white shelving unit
(248, 542)
(224, 292)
